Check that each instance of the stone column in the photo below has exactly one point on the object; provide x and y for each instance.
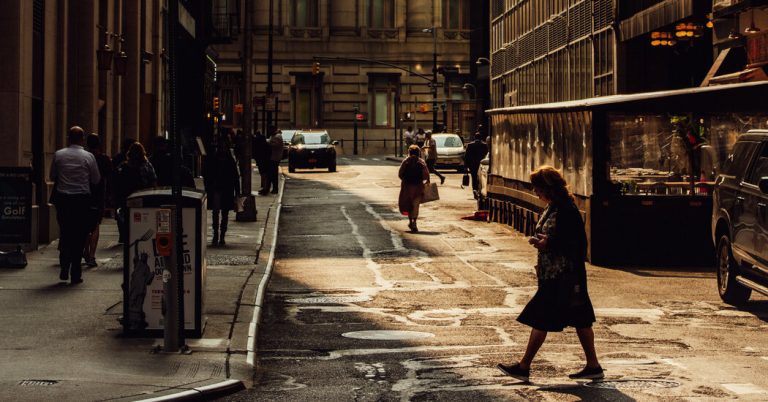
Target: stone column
(131, 81)
(83, 75)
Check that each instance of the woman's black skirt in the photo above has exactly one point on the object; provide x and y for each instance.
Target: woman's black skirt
(559, 303)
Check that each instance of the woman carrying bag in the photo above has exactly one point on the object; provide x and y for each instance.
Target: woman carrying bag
(413, 172)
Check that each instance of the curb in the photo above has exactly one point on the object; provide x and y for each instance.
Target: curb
(204, 393)
(253, 329)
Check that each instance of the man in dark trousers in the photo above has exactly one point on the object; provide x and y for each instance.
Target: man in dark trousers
(74, 171)
(476, 152)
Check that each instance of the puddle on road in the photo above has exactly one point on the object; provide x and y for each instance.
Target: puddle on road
(385, 335)
(636, 383)
(330, 299)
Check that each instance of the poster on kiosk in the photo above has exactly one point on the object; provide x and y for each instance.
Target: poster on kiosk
(145, 270)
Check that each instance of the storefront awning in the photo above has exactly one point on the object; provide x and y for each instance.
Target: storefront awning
(660, 15)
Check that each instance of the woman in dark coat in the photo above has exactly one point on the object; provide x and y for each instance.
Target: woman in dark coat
(222, 183)
(134, 174)
(413, 172)
(561, 299)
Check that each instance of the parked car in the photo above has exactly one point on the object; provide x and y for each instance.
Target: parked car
(287, 136)
(312, 149)
(740, 219)
(450, 151)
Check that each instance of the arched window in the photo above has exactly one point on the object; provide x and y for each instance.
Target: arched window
(456, 14)
(305, 13)
(381, 14)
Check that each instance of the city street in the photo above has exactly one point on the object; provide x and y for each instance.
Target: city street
(348, 273)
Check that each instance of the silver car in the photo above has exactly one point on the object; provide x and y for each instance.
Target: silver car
(450, 151)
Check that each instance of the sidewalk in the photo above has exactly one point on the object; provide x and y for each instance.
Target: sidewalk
(65, 343)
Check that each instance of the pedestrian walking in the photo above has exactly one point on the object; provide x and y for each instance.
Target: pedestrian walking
(413, 173)
(475, 152)
(562, 299)
(73, 171)
(162, 162)
(419, 137)
(408, 136)
(276, 148)
(430, 155)
(262, 154)
(117, 160)
(99, 194)
(222, 183)
(134, 174)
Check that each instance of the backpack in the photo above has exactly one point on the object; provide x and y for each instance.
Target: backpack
(412, 174)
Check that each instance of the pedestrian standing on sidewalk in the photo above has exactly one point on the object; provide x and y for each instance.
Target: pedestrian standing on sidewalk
(562, 299)
(276, 148)
(73, 171)
(222, 183)
(430, 154)
(262, 154)
(99, 191)
(413, 172)
(134, 174)
(476, 151)
(117, 160)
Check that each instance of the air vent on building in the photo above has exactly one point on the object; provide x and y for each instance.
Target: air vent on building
(603, 14)
(581, 19)
(497, 63)
(510, 58)
(525, 48)
(558, 33)
(540, 43)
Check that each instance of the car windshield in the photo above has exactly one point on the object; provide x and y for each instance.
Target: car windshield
(311, 138)
(452, 141)
(288, 135)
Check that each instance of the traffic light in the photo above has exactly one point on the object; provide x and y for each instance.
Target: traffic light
(423, 108)
(215, 103)
(316, 68)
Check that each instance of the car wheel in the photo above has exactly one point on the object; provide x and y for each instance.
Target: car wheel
(332, 167)
(291, 168)
(730, 291)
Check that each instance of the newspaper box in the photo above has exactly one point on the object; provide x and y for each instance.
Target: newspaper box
(143, 311)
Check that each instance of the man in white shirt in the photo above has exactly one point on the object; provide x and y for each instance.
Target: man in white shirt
(73, 171)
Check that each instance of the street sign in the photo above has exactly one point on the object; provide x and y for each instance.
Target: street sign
(15, 204)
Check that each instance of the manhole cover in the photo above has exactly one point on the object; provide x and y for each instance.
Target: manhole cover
(633, 384)
(330, 299)
(30, 383)
(384, 335)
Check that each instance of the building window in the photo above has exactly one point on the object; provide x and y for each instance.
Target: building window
(456, 14)
(382, 14)
(305, 13)
(306, 101)
(383, 95)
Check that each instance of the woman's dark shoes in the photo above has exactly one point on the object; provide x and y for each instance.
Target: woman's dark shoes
(222, 242)
(91, 262)
(515, 371)
(76, 281)
(588, 373)
(442, 180)
(63, 275)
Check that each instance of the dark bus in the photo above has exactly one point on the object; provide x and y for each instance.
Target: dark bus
(641, 166)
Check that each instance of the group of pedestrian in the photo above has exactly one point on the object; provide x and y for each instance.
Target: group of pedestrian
(87, 182)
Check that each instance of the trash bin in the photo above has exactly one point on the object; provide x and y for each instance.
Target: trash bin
(143, 266)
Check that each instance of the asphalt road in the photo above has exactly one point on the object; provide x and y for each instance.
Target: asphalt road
(348, 272)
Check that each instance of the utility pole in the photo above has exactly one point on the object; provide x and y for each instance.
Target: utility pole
(433, 30)
(269, 66)
(248, 214)
(354, 138)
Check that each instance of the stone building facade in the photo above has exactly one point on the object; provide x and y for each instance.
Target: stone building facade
(350, 39)
(51, 80)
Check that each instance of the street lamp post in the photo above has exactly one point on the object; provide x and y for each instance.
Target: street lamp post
(433, 31)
